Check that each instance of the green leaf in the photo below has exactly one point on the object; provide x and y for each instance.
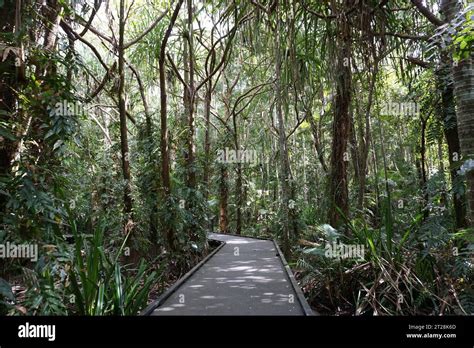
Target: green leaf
(6, 133)
(58, 144)
(48, 134)
(372, 246)
(6, 288)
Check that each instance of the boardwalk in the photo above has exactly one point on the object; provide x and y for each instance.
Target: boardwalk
(245, 277)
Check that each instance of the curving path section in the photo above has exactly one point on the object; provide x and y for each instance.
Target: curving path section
(246, 276)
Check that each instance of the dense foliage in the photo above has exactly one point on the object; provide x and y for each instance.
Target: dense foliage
(130, 129)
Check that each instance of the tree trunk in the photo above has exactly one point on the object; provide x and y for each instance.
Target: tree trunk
(189, 107)
(223, 199)
(207, 139)
(423, 173)
(164, 142)
(207, 118)
(282, 144)
(338, 185)
(364, 143)
(441, 170)
(354, 148)
(238, 181)
(450, 129)
(463, 77)
(127, 198)
(239, 199)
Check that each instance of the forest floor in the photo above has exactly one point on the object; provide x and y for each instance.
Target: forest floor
(245, 277)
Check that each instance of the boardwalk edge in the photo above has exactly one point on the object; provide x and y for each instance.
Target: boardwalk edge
(299, 294)
(155, 304)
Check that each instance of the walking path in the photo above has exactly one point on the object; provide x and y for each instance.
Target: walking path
(246, 276)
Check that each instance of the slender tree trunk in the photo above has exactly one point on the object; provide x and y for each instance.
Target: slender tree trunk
(190, 157)
(239, 199)
(223, 199)
(441, 171)
(223, 169)
(127, 198)
(364, 143)
(354, 148)
(207, 118)
(282, 143)
(207, 139)
(303, 169)
(423, 172)
(164, 142)
(375, 161)
(189, 107)
(238, 180)
(339, 194)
